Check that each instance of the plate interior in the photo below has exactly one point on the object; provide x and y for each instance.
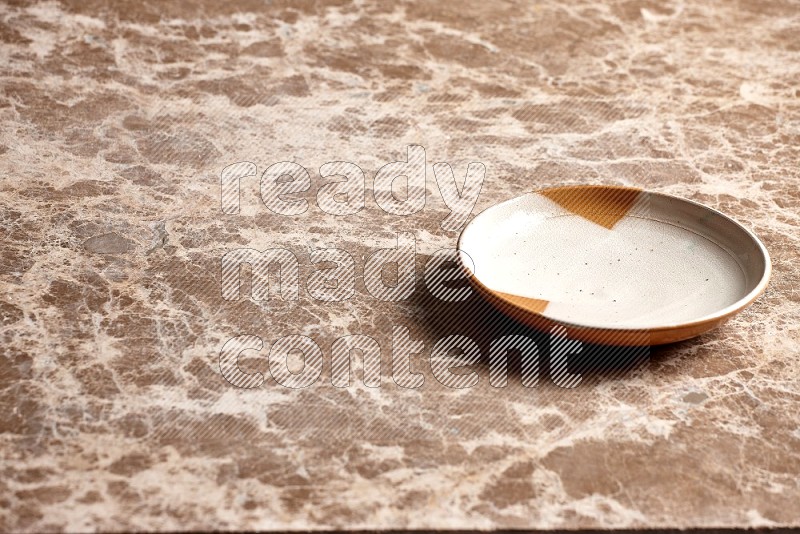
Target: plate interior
(657, 261)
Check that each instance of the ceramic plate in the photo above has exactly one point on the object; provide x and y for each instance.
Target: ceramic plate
(614, 265)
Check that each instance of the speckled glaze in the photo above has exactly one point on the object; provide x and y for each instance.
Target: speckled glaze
(615, 265)
(116, 119)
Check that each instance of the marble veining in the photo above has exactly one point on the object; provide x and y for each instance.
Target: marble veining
(116, 119)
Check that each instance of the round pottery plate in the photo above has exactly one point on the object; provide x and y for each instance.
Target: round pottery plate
(614, 265)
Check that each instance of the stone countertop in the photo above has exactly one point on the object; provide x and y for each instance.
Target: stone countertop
(116, 121)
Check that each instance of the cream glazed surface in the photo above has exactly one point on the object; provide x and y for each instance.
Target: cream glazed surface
(587, 260)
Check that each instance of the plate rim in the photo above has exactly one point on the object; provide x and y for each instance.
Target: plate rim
(622, 333)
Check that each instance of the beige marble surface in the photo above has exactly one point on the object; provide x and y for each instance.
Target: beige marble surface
(116, 119)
